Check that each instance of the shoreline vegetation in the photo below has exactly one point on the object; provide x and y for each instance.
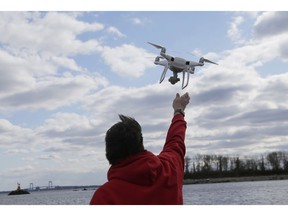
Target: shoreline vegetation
(234, 179)
(217, 168)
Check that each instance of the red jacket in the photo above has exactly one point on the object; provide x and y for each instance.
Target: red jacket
(145, 178)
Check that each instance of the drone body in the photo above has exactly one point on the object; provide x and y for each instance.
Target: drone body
(177, 65)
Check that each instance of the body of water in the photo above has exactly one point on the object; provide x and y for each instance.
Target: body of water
(238, 193)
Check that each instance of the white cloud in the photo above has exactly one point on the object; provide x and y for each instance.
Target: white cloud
(10, 81)
(46, 33)
(51, 93)
(271, 23)
(127, 60)
(33, 57)
(68, 63)
(136, 21)
(274, 90)
(72, 129)
(272, 26)
(19, 171)
(17, 151)
(115, 31)
(234, 33)
(12, 135)
(35, 48)
(51, 156)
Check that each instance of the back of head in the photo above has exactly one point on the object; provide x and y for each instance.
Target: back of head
(123, 139)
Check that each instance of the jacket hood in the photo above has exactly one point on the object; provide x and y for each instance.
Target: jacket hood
(142, 168)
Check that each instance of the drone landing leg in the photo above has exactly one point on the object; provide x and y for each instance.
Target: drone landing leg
(187, 80)
(164, 73)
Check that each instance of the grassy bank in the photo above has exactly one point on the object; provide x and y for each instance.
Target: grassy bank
(235, 179)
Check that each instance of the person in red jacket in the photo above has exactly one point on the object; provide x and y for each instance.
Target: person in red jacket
(137, 176)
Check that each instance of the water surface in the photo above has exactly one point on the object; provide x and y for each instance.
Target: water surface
(236, 193)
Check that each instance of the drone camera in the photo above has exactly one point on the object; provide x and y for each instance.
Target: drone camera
(173, 80)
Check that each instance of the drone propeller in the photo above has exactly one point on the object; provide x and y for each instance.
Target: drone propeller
(202, 60)
(157, 46)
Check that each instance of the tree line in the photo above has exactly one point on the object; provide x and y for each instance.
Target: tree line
(201, 166)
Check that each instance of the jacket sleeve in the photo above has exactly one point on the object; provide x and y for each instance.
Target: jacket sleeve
(174, 148)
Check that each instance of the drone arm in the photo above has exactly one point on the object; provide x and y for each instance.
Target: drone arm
(191, 70)
(162, 62)
(164, 73)
(202, 60)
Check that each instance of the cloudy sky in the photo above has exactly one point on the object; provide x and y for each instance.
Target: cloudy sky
(65, 77)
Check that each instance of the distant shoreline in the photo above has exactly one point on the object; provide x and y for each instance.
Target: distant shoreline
(192, 181)
(58, 188)
(235, 179)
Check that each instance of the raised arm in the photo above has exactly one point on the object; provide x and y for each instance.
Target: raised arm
(174, 148)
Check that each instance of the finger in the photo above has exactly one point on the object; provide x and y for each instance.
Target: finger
(185, 96)
(177, 95)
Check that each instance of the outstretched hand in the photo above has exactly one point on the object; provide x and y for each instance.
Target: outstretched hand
(181, 102)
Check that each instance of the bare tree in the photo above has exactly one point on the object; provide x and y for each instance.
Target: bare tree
(207, 160)
(187, 161)
(262, 163)
(198, 159)
(273, 159)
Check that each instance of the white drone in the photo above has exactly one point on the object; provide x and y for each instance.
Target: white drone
(177, 65)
